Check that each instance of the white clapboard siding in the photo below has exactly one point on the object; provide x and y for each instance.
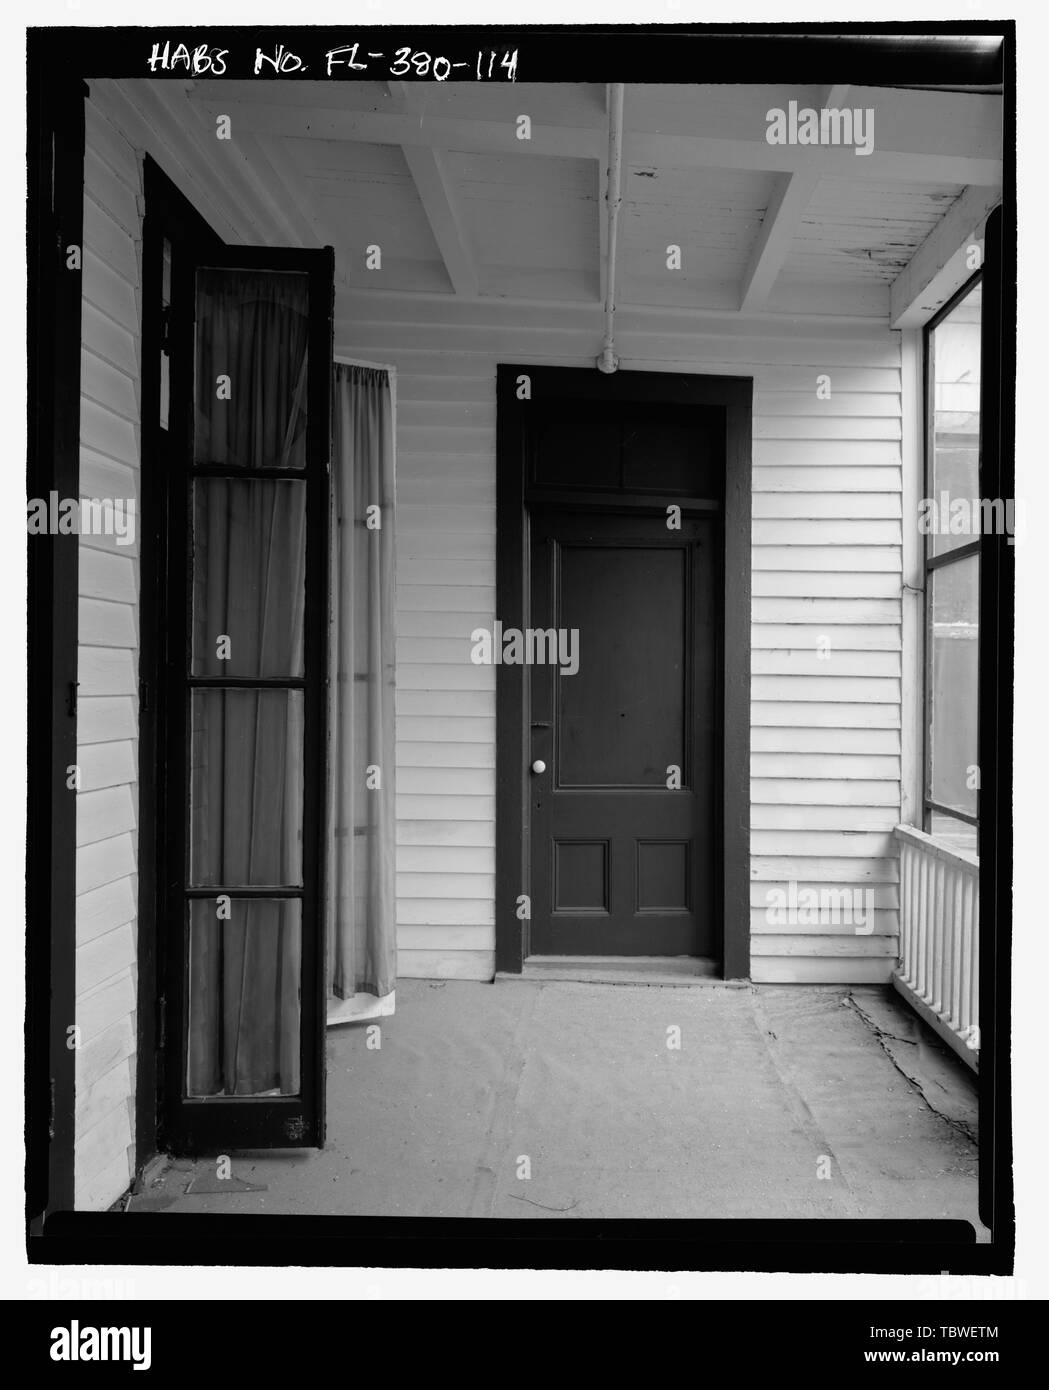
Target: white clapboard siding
(814, 637)
(105, 814)
(797, 793)
(831, 660)
(826, 632)
(106, 765)
(445, 704)
(859, 918)
(846, 943)
(839, 818)
(826, 869)
(454, 754)
(766, 738)
(824, 488)
(829, 713)
(95, 1102)
(107, 720)
(873, 612)
(105, 957)
(826, 774)
(765, 892)
(825, 766)
(99, 908)
(824, 584)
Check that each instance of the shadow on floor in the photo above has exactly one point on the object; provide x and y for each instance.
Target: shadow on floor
(558, 1100)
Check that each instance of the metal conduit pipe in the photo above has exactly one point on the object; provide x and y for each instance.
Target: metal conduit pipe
(608, 361)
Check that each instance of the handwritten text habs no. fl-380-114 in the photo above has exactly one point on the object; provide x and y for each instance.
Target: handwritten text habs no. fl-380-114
(345, 60)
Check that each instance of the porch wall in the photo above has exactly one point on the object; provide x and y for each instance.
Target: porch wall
(826, 564)
(107, 716)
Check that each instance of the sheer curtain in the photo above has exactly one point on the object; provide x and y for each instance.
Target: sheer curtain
(246, 763)
(361, 887)
(252, 326)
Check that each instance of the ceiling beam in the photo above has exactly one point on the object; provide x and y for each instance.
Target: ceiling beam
(790, 197)
(405, 128)
(435, 186)
(917, 136)
(927, 149)
(940, 265)
(433, 182)
(393, 312)
(834, 161)
(783, 216)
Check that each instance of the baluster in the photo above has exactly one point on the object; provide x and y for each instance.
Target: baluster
(926, 934)
(939, 933)
(954, 948)
(916, 924)
(913, 915)
(974, 957)
(968, 946)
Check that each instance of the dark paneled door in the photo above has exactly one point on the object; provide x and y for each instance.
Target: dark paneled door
(622, 776)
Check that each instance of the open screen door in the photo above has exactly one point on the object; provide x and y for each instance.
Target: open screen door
(244, 655)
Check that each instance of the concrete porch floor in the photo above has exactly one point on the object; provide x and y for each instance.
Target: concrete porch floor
(782, 1101)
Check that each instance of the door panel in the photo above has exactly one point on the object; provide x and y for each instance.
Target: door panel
(609, 593)
(622, 814)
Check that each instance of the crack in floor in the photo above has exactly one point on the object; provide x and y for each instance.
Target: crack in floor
(882, 1037)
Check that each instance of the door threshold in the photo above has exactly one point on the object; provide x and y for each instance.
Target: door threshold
(622, 970)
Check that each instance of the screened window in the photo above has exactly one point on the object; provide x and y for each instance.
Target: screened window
(952, 521)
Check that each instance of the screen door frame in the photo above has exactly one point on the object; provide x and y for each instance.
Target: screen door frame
(222, 1123)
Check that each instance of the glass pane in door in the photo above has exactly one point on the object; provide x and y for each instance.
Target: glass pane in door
(249, 559)
(246, 788)
(244, 997)
(250, 380)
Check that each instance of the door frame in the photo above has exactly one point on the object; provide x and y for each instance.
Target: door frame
(512, 606)
(55, 119)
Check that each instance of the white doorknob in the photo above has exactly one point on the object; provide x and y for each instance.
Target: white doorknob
(538, 766)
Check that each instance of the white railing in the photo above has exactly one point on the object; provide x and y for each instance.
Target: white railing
(938, 972)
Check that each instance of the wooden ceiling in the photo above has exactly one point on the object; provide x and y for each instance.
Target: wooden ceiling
(436, 175)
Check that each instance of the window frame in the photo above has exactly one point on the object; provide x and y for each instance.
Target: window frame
(931, 563)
